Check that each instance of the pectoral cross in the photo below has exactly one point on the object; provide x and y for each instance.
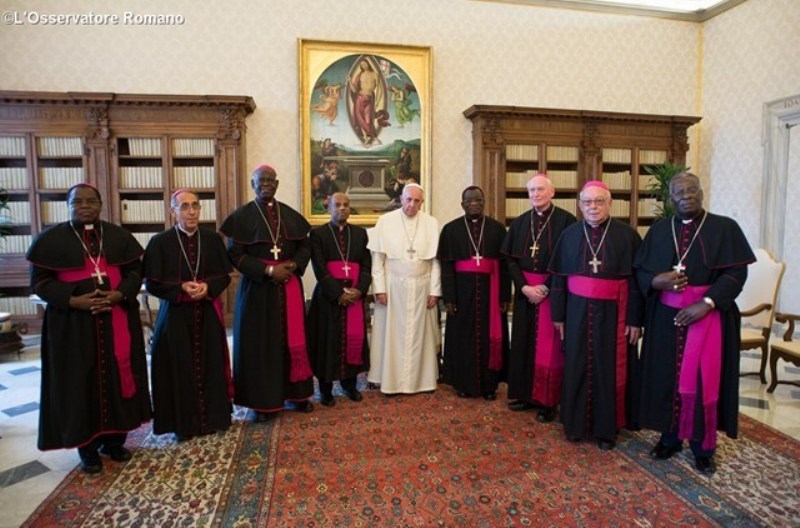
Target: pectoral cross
(594, 263)
(346, 269)
(411, 252)
(679, 267)
(477, 259)
(98, 275)
(534, 249)
(276, 251)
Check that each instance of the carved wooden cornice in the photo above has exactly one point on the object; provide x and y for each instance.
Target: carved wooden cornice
(10, 97)
(519, 112)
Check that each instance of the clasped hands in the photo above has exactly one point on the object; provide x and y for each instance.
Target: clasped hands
(535, 294)
(677, 282)
(349, 296)
(195, 290)
(282, 271)
(97, 301)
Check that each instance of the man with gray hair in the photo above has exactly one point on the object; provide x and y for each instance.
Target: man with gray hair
(536, 362)
(691, 268)
(406, 281)
(597, 309)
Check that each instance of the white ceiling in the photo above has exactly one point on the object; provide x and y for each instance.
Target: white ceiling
(694, 10)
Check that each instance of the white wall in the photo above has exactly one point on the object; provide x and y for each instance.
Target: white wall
(483, 52)
(750, 57)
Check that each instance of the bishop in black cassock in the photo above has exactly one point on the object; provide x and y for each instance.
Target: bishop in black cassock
(597, 303)
(268, 243)
(337, 320)
(94, 373)
(536, 363)
(476, 290)
(691, 269)
(187, 267)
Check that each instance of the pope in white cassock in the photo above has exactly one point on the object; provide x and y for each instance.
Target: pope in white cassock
(406, 281)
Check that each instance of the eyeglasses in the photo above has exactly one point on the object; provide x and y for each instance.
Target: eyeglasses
(689, 192)
(185, 206)
(596, 201)
(78, 202)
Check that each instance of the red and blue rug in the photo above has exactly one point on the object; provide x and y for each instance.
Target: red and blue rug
(427, 460)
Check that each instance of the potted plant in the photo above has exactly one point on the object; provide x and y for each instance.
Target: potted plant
(659, 186)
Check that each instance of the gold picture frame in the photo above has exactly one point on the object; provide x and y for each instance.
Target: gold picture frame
(366, 125)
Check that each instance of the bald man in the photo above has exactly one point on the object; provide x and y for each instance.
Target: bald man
(336, 330)
(536, 365)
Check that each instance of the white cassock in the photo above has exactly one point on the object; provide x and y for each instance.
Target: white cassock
(405, 333)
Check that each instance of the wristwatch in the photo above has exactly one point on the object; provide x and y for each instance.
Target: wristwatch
(709, 301)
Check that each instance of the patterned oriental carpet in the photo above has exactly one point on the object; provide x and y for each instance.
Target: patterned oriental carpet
(427, 460)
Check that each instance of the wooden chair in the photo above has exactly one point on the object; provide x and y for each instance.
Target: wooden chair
(757, 304)
(786, 350)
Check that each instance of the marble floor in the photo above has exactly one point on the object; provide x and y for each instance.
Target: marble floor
(28, 476)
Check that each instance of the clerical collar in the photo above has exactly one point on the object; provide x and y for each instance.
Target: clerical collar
(474, 219)
(82, 227)
(690, 220)
(339, 227)
(266, 204)
(185, 231)
(598, 225)
(545, 212)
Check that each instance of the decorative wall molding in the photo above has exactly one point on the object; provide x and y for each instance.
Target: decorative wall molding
(779, 117)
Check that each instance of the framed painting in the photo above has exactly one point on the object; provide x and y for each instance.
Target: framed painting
(366, 125)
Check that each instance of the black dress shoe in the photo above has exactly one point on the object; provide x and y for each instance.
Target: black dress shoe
(326, 400)
(490, 396)
(181, 438)
(117, 453)
(91, 463)
(354, 395)
(663, 452)
(304, 406)
(520, 405)
(705, 465)
(546, 414)
(574, 439)
(462, 394)
(606, 445)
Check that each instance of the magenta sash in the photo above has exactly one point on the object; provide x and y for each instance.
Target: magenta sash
(299, 368)
(119, 321)
(609, 290)
(702, 358)
(492, 268)
(354, 332)
(548, 371)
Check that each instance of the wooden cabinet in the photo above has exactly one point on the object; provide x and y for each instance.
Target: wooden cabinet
(136, 149)
(572, 146)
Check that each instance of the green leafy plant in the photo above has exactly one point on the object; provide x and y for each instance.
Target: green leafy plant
(660, 186)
